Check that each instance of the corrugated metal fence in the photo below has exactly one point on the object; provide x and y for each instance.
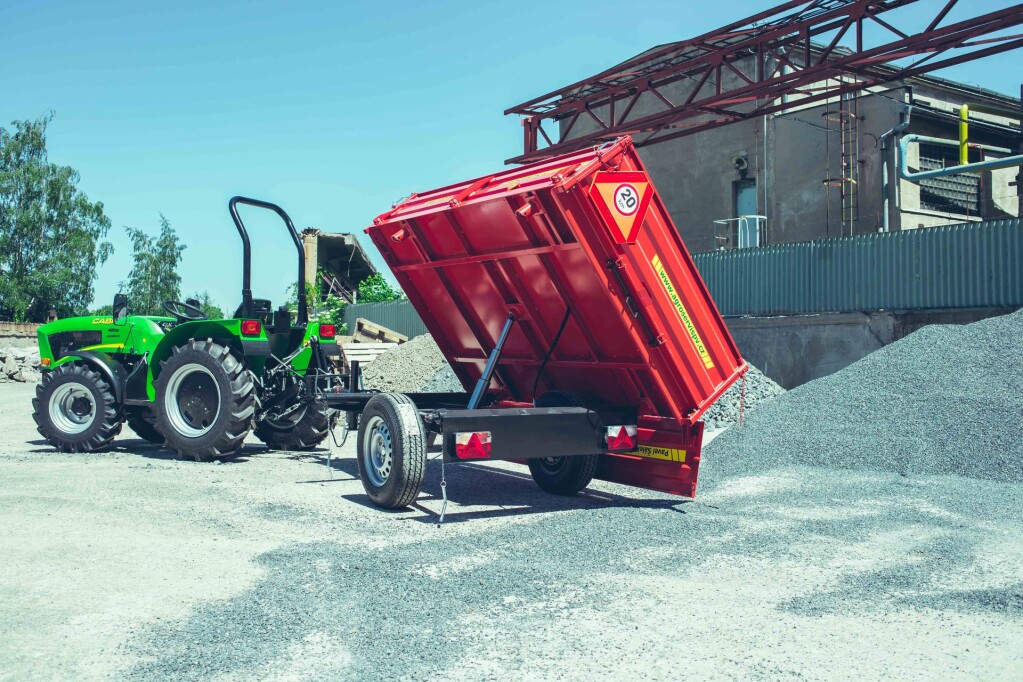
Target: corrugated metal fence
(976, 265)
(397, 315)
(956, 266)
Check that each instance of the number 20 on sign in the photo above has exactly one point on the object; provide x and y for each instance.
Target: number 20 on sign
(622, 199)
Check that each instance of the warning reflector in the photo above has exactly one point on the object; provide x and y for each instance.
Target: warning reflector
(472, 445)
(622, 198)
(621, 437)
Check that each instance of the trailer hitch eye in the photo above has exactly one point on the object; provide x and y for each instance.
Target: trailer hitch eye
(621, 437)
(472, 445)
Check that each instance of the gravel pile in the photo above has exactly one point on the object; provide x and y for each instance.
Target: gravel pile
(19, 364)
(943, 400)
(444, 381)
(725, 412)
(409, 367)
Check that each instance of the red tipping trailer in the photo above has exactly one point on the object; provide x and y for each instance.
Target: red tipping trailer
(570, 280)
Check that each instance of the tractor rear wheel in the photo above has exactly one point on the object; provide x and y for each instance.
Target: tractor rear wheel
(205, 401)
(75, 409)
(562, 475)
(302, 430)
(391, 450)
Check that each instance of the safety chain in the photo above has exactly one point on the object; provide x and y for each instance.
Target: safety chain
(443, 492)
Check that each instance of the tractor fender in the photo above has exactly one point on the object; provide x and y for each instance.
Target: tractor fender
(180, 335)
(111, 370)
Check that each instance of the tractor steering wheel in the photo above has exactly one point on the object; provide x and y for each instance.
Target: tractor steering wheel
(184, 312)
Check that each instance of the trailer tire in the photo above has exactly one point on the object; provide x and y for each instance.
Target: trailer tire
(186, 415)
(562, 475)
(391, 450)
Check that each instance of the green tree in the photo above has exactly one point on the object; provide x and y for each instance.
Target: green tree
(154, 276)
(375, 288)
(206, 302)
(51, 235)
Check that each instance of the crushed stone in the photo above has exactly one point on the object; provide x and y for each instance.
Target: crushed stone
(725, 412)
(945, 400)
(19, 365)
(407, 368)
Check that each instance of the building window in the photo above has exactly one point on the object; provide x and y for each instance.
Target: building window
(950, 193)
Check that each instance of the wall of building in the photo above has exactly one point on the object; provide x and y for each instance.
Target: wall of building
(791, 155)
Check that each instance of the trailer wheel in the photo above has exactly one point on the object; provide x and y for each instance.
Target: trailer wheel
(75, 409)
(391, 450)
(562, 475)
(205, 400)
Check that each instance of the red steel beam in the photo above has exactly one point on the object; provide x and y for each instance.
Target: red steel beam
(736, 42)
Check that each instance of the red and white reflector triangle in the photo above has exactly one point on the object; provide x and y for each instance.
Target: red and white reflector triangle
(622, 198)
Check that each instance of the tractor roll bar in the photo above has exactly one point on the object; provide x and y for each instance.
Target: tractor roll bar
(303, 315)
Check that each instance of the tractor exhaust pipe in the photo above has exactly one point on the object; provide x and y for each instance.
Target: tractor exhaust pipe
(303, 314)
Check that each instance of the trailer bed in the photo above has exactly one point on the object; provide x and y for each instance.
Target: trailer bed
(607, 302)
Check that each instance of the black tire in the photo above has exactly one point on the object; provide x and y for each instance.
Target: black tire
(75, 409)
(304, 433)
(143, 423)
(205, 401)
(391, 450)
(562, 475)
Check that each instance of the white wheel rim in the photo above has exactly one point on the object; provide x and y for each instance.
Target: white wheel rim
(377, 451)
(186, 400)
(72, 407)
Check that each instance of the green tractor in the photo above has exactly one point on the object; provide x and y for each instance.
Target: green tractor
(197, 385)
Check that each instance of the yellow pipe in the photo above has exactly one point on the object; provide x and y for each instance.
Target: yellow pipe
(964, 135)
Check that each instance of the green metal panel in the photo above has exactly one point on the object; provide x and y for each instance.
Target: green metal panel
(955, 266)
(397, 315)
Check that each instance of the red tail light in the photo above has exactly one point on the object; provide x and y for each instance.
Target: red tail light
(621, 437)
(472, 445)
(251, 327)
(327, 331)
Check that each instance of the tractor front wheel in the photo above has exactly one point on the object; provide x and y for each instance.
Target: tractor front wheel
(303, 429)
(75, 409)
(205, 401)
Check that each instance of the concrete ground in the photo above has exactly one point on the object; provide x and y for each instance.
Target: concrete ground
(135, 565)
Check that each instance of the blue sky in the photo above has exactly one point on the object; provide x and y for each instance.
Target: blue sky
(333, 109)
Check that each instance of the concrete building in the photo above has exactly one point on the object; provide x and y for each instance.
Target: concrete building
(336, 262)
(818, 171)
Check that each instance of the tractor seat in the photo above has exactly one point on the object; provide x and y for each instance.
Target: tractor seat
(261, 307)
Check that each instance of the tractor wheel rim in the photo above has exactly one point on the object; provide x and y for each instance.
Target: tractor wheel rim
(72, 407)
(377, 451)
(192, 400)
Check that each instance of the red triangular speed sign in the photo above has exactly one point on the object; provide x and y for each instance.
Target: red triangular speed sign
(622, 198)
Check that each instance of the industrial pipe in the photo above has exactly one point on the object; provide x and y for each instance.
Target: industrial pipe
(980, 166)
(903, 124)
